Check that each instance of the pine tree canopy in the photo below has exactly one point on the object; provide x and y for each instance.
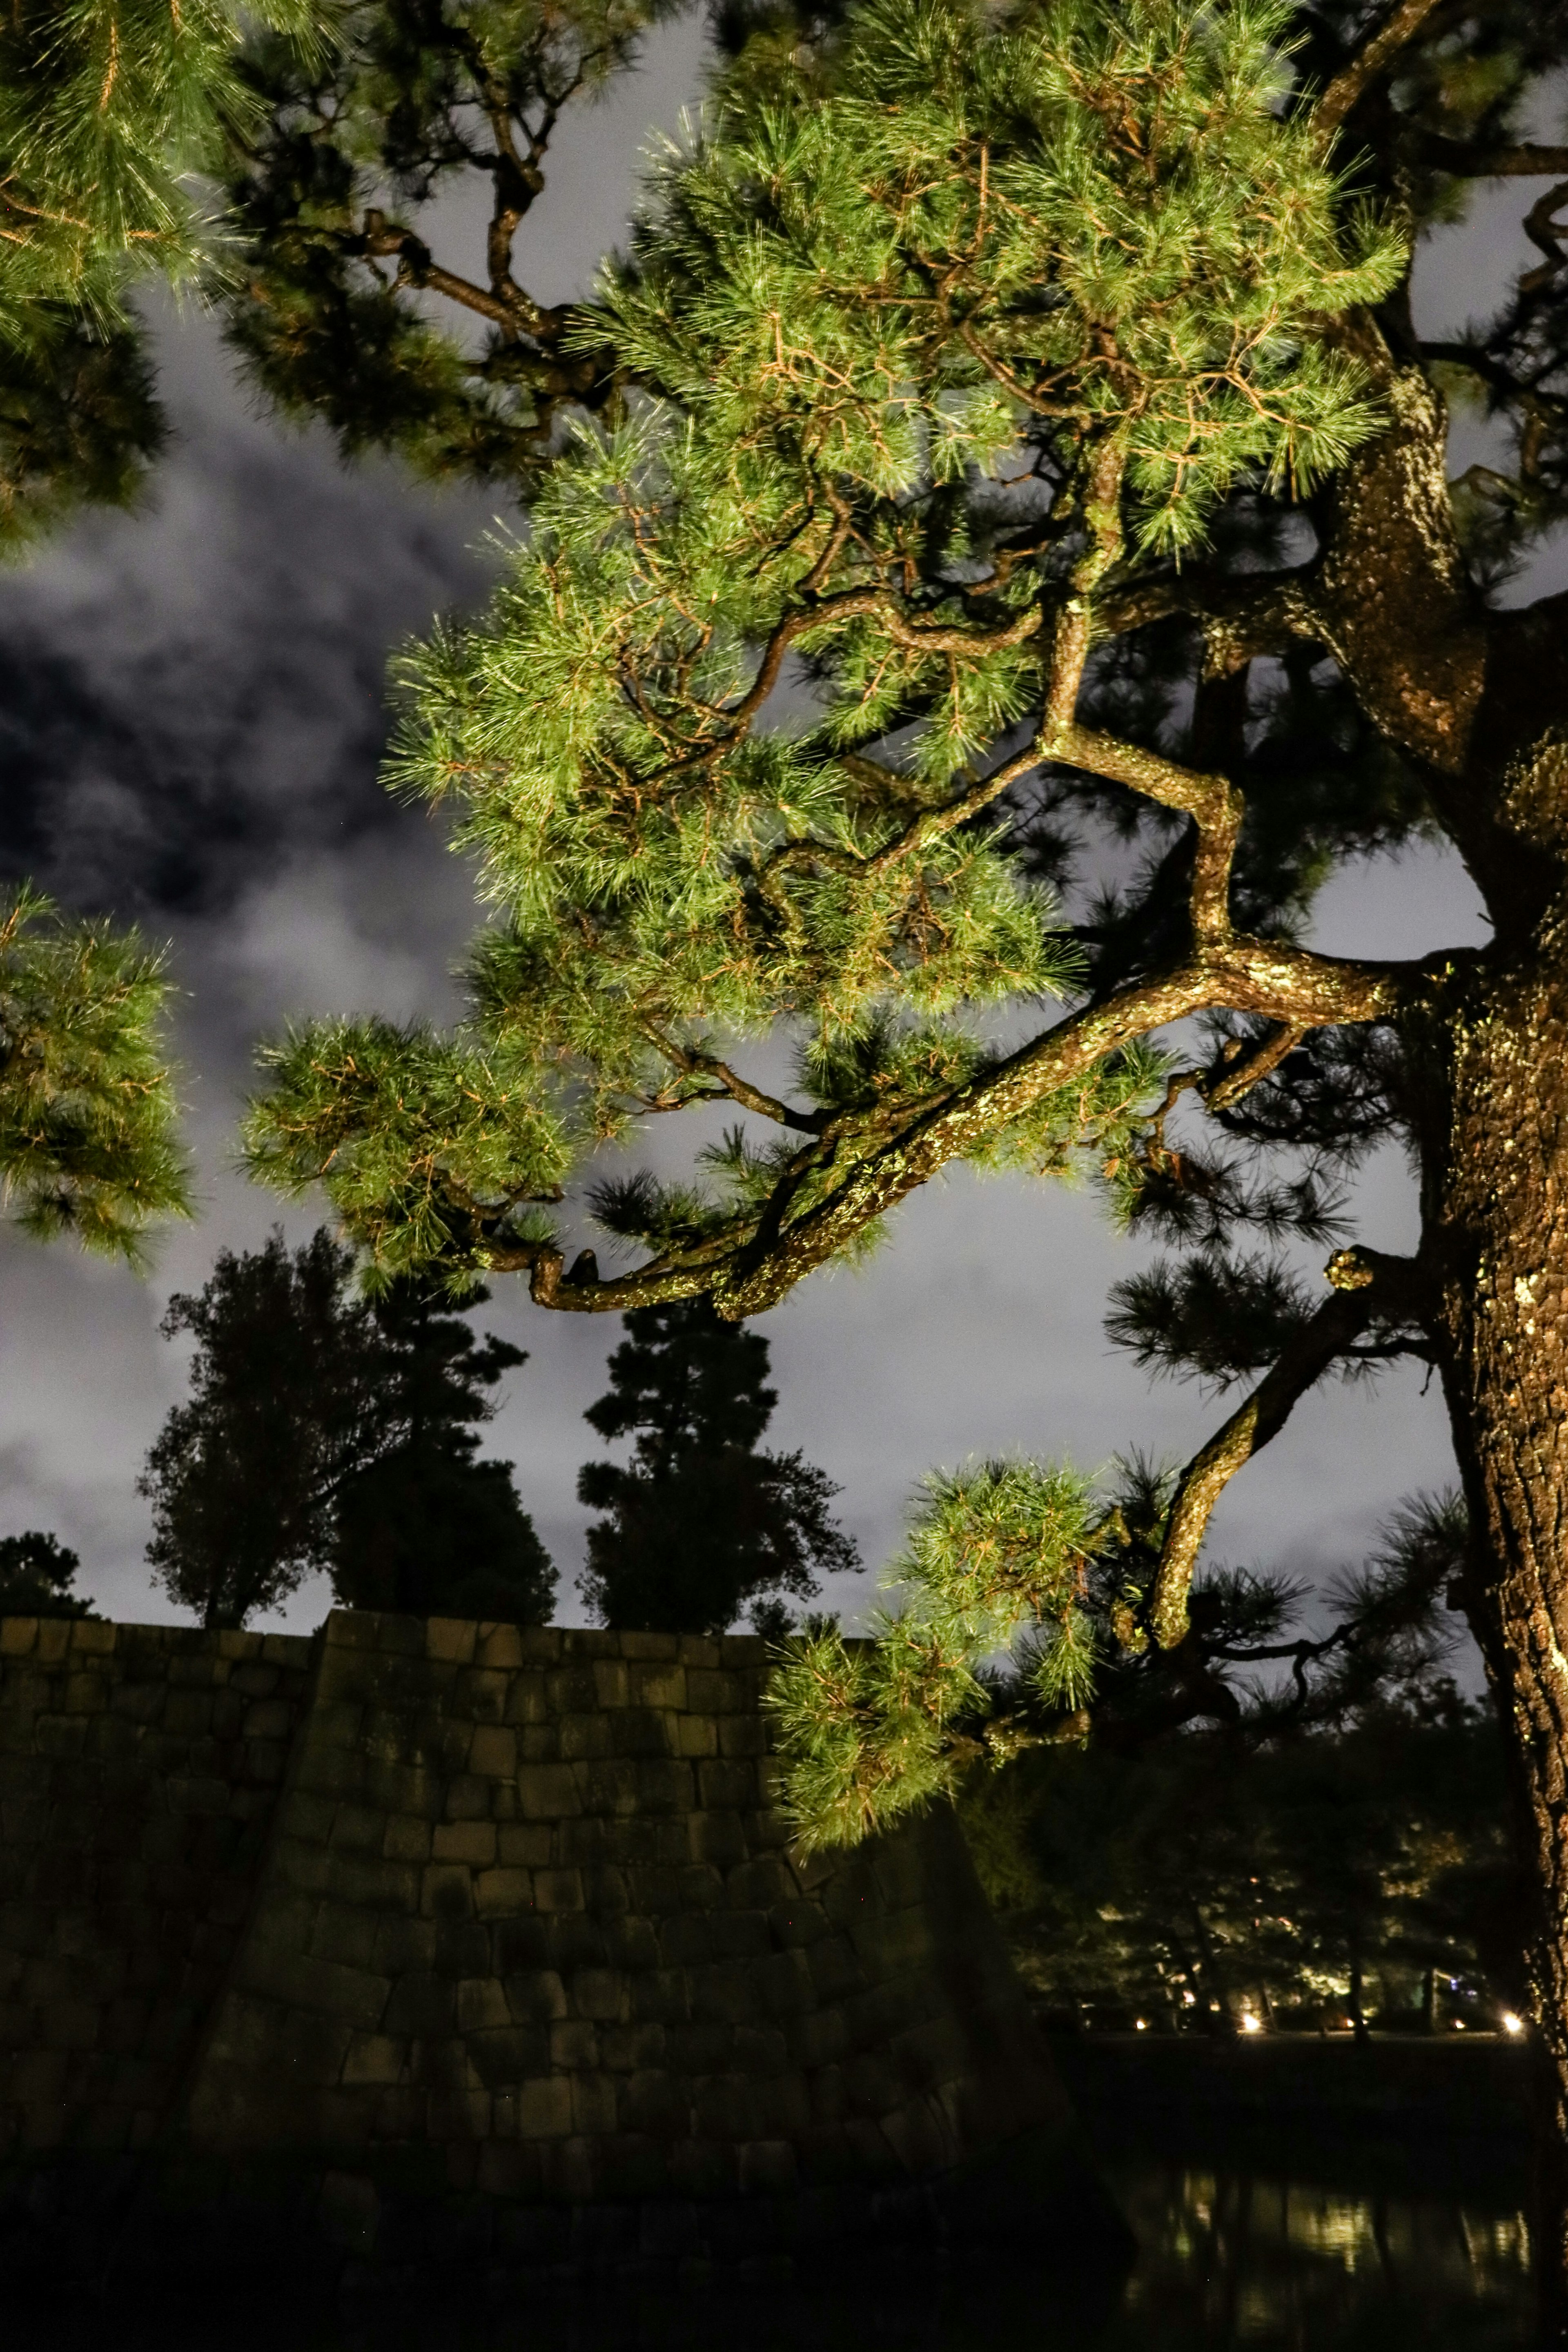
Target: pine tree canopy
(88, 1142)
(107, 109)
(1005, 455)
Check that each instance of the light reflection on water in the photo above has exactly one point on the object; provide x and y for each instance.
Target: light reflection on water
(1231, 2259)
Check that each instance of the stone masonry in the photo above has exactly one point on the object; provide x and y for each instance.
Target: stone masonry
(431, 1918)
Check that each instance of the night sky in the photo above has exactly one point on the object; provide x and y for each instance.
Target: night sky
(190, 716)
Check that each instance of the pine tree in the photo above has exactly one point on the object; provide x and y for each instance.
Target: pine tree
(326, 1430)
(37, 1572)
(701, 1526)
(1025, 406)
(87, 1106)
(107, 108)
(425, 1527)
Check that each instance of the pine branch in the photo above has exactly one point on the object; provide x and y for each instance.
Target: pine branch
(1376, 58)
(1367, 1286)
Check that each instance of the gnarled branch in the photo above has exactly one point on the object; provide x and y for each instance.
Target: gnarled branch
(1366, 1286)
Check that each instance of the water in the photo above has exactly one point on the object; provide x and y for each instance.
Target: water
(1230, 2256)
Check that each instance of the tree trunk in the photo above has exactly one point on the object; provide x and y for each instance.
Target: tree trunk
(1495, 1185)
(1357, 2008)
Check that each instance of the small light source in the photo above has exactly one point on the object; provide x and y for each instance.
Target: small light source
(1511, 2024)
(1142, 2024)
(1250, 2024)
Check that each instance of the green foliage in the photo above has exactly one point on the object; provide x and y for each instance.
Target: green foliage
(436, 1147)
(37, 1572)
(107, 108)
(835, 521)
(403, 104)
(701, 1524)
(1024, 1594)
(325, 1431)
(876, 1729)
(88, 1144)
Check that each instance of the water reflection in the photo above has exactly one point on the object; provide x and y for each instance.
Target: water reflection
(1239, 2257)
(1245, 2258)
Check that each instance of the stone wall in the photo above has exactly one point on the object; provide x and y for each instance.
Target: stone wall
(429, 1926)
(140, 1766)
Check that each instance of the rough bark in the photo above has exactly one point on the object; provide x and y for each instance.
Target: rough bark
(1495, 1182)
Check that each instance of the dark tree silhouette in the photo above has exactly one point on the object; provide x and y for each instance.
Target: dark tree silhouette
(327, 1431)
(37, 1572)
(701, 1526)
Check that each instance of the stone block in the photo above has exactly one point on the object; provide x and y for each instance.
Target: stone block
(819, 2038)
(527, 1701)
(605, 1890)
(404, 1946)
(501, 1894)
(570, 1689)
(450, 1640)
(352, 1996)
(374, 2058)
(465, 2114)
(539, 1743)
(685, 1939)
(463, 1949)
(498, 1647)
(759, 2052)
(583, 1738)
(52, 1640)
(629, 2049)
(468, 1798)
(835, 1970)
(547, 1791)
(723, 1992)
(535, 1997)
(345, 1934)
(654, 2104)
(725, 2107)
(481, 2002)
(657, 1685)
(378, 1885)
(469, 1842)
(525, 1941)
(742, 1735)
(479, 1696)
(19, 1637)
(696, 1736)
(526, 1845)
(717, 1839)
(492, 1753)
(593, 2106)
(745, 1936)
(631, 1943)
(421, 2006)
(544, 2108)
(660, 1996)
(267, 1718)
(408, 1838)
(649, 1648)
(598, 1993)
(358, 1828)
(447, 1890)
(698, 1649)
(574, 2044)
(558, 1890)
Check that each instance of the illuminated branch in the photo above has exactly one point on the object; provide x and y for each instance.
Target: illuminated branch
(1372, 59)
(1368, 1288)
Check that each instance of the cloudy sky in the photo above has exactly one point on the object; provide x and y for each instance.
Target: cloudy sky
(190, 722)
